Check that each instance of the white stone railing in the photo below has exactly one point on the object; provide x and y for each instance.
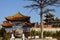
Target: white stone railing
(51, 29)
(46, 29)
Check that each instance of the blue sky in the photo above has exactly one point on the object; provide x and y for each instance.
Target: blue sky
(11, 7)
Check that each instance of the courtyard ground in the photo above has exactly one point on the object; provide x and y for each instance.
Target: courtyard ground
(33, 39)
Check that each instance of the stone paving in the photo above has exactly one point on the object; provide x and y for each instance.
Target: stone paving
(34, 39)
(18, 39)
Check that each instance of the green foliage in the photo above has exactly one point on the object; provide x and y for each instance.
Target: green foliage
(4, 35)
(35, 33)
(32, 33)
(57, 34)
(51, 34)
(7, 37)
(47, 34)
(2, 32)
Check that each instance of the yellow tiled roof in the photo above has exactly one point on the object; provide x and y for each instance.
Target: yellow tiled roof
(7, 24)
(17, 16)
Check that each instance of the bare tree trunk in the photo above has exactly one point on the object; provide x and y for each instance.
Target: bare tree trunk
(41, 23)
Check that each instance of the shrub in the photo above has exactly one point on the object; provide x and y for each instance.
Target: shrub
(7, 37)
(2, 32)
(57, 34)
(47, 34)
(32, 33)
(4, 35)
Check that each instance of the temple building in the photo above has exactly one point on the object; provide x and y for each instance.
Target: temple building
(50, 20)
(18, 22)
